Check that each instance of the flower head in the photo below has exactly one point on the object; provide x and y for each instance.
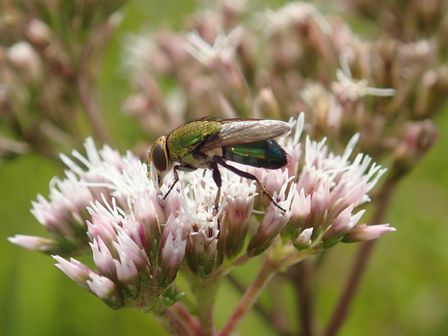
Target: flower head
(329, 188)
(139, 239)
(223, 48)
(64, 213)
(292, 14)
(349, 89)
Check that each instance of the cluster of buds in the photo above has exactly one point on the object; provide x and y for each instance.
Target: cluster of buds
(64, 213)
(49, 55)
(139, 240)
(407, 21)
(277, 63)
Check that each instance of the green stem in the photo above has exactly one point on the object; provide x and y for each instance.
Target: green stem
(279, 317)
(301, 276)
(205, 292)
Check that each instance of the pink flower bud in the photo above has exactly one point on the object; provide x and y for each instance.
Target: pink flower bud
(233, 224)
(128, 275)
(273, 222)
(201, 229)
(26, 60)
(303, 241)
(34, 243)
(38, 32)
(202, 247)
(266, 106)
(103, 258)
(129, 250)
(172, 251)
(300, 211)
(272, 180)
(417, 139)
(149, 214)
(105, 289)
(75, 270)
(102, 224)
(344, 222)
(367, 232)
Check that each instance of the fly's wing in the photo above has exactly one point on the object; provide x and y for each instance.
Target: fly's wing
(240, 131)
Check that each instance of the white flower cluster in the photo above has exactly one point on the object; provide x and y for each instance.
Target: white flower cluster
(139, 240)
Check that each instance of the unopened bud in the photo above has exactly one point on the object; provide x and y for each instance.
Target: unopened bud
(266, 106)
(323, 107)
(103, 258)
(431, 93)
(342, 224)
(75, 270)
(34, 243)
(172, 251)
(115, 19)
(105, 289)
(234, 226)
(273, 223)
(38, 32)
(149, 215)
(25, 59)
(231, 11)
(201, 250)
(367, 232)
(417, 138)
(303, 241)
(300, 213)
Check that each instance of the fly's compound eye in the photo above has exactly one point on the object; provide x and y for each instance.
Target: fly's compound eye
(159, 157)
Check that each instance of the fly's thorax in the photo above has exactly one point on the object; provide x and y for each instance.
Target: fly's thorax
(187, 139)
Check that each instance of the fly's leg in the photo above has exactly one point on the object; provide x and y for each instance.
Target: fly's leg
(218, 181)
(176, 176)
(176, 179)
(249, 176)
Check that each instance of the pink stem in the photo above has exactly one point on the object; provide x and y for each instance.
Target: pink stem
(187, 320)
(171, 324)
(265, 274)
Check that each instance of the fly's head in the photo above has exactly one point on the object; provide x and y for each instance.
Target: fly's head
(159, 157)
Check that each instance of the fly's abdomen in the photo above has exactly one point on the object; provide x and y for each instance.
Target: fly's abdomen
(263, 154)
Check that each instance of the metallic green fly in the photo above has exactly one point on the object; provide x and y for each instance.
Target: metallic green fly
(209, 143)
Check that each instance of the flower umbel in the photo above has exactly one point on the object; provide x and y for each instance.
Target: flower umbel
(139, 240)
(223, 48)
(64, 214)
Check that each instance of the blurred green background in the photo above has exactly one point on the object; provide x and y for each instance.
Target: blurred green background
(405, 290)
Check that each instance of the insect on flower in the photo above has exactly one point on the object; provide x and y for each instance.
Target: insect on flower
(209, 143)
